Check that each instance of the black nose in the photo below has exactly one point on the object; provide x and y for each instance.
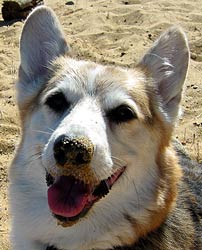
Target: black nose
(73, 151)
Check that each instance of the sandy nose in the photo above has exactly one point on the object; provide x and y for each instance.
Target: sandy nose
(75, 151)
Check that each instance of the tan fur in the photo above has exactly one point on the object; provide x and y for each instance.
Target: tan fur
(169, 171)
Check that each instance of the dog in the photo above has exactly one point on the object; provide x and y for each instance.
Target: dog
(96, 167)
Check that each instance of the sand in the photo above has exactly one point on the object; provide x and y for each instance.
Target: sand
(116, 32)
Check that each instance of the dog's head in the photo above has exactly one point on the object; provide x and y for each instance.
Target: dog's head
(100, 135)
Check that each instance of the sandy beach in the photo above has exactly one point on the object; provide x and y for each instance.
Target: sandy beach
(109, 32)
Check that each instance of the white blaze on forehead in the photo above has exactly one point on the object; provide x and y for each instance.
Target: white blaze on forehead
(92, 75)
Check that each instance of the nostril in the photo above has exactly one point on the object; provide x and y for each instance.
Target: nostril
(59, 150)
(60, 157)
(80, 159)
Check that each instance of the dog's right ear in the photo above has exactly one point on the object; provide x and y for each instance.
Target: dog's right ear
(42, 40)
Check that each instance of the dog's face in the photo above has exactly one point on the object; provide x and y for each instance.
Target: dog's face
(85, 121)
(96, 137)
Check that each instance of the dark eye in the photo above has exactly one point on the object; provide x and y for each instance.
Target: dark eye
(122, 113)
(57, 102)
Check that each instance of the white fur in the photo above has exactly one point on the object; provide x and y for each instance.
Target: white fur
(131, 145)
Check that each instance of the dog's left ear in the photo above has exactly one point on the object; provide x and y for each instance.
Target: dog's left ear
(42, 40)
(167, 63)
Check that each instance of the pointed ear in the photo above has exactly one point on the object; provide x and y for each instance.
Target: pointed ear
(167, 62)
(42, 40)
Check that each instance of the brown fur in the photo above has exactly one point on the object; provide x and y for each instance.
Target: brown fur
(181, 228)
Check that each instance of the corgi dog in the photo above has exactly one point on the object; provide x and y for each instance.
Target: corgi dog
(96, 167)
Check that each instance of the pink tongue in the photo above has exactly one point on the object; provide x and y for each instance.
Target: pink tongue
(66, 197)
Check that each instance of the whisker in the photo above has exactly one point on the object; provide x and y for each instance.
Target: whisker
(32, 158)
(43, 132)
(117, 164)
(118, 160)
(52, 130)
(136, 190)
(138, 199)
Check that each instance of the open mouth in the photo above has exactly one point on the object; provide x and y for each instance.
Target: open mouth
(70, 199)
